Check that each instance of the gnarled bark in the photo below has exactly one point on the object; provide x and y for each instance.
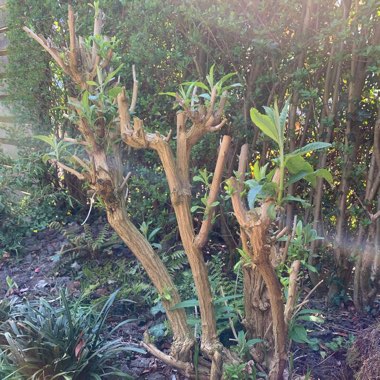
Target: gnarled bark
(104, 172)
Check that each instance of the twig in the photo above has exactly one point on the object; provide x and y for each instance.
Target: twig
(74, 141)
(125, 181)
(306, 300)
(186, 368)
(134, 91)
(292, 292)
(201, 238)
(326, 359)
(70, 170)
(89, 211)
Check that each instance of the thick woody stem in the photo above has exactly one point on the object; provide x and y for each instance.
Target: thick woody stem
(183, 151)
(125, 119)
(201, 238)
(240, 209)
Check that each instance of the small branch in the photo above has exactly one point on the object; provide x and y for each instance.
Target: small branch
(98, 25)
(139, 131)
(73, 48)
(167, 359)
(193, 97)
(376, 139)
(89, 211)
(243, 160)
(70, 170)
(282, 233)
(374, 217)
(107, 60)
(292, 292)
(74, 141)
(168, 136)
(288, 241)
(211, 107)
(239, 208)
(125, 119)
(125, 181)
(201, 238)
(52, 51)
(222, 104)
(217, 127)
(81, 163)
(134, 91)
(306, 300)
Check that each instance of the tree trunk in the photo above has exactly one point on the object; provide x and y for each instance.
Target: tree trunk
(258, 316)
(158, 274)
(367, 268)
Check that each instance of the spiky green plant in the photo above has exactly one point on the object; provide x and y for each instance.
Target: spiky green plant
(63, 342)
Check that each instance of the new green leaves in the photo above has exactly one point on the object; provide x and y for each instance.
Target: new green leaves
(272, 124)
(265, 124)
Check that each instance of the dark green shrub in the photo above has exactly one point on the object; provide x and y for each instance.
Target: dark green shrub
(29, 199)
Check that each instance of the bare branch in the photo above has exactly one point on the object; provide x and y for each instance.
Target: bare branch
(125, 119)
(201, 238)
(70, 170)
(292, 292)
(195, 89)
(139, 131)
(211, 107)
(134, 91)
(186, 368)
(240, 210)
(89, 211)
(222, 104)
(376, 216)
(73, 47)
(125, 181)
(217, 127)
(242, 168)
(376, 139)
(81, 163)
(282, 233)
(306, 299)
(98, 25)
(107, 60)
(52, 51)
(168, 136)
(74, 141)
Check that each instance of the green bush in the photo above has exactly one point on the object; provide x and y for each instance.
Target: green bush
(29, 199)
(64, 341)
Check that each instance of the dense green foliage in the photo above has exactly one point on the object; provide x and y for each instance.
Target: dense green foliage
(320, 59)
(30, 199)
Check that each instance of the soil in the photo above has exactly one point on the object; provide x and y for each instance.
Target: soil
(37, 274)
